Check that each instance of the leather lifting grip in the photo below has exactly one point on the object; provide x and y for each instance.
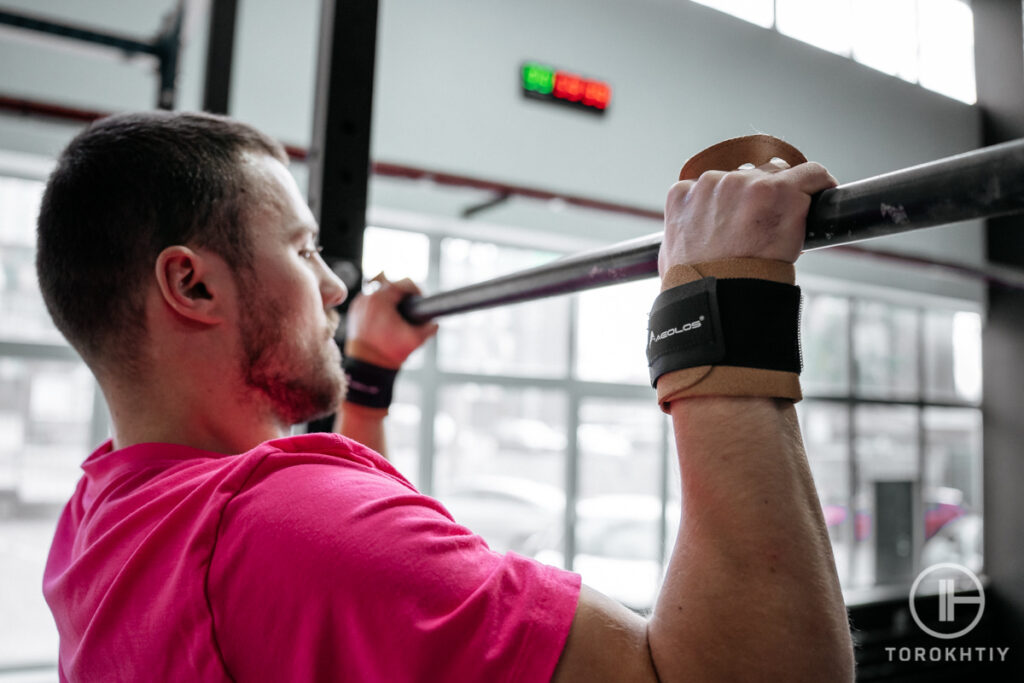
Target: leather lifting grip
(729, 155)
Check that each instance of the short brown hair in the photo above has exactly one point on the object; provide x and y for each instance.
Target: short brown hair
(123, 190)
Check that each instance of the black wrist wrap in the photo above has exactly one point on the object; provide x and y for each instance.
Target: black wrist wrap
(738, 321)
(368, 385)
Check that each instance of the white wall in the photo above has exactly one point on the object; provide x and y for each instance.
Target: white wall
(447, 97)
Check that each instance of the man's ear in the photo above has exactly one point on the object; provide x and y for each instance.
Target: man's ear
(191, 283)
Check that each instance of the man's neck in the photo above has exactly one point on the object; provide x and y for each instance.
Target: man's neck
(209, 417)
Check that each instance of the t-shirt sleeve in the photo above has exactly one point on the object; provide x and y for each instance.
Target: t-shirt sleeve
(337, 572)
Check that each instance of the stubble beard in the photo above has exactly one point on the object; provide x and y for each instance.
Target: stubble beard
(301, 378)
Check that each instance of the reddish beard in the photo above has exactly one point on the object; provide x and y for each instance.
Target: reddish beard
(301, 377)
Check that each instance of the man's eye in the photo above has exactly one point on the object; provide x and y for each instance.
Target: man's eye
(310, 253)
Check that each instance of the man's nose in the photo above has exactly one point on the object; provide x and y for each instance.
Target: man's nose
(332, 289)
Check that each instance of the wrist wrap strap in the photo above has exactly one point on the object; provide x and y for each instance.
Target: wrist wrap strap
(368, 385)
(746, 345)
(742, 322)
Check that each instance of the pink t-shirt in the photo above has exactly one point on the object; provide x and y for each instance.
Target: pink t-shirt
(305, 559)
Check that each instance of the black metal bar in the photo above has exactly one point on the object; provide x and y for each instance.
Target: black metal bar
(125, 44)
(979, 184)
(168, 50)
(220, 50)
(339, 156)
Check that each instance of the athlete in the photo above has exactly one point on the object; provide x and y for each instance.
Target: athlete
(204, 543)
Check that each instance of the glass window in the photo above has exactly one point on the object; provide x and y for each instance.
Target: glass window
(46, 418)
(47, 407)
(760, 12)
(822, 23)
(885, 350)
(396, 253)
(612, 325)
(618, 516)
(952, 356)
(886, 448)
(952, 487)
(947, 48)
(884, 36)
(23, 315)
(403, 429)
(825, 338)
(499, 462)
(523, 339)
(826, 431)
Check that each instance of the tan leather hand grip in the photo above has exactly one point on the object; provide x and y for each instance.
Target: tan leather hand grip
(729, 155)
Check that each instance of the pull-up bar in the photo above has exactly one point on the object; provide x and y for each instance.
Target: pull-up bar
(984, 183)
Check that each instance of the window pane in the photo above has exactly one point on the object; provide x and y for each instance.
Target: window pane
(618, 525)
(45, 433)
(500, 461)
(825, 345)
(823, 23)
(46, 408)
(885, 350)
(403, 429)
(952, 487)
(610, 343)
(396, 253)
(760, 12)
(952, 346)
(23, 315)
(826, 431)
(886, 449)
(947, 48)
(524, 339)
(885, 36)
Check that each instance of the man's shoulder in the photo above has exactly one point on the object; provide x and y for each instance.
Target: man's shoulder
(325, 451)
(328, 470)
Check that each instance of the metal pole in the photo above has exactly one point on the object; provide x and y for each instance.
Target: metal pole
(979, 184)
(168, 45)
(126, 44)
(220, 52)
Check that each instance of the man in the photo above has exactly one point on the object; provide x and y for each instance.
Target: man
(203, 543)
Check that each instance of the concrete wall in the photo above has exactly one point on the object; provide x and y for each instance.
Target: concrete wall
(684, 76)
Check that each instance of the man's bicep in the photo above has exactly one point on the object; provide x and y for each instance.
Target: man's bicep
(607, 642)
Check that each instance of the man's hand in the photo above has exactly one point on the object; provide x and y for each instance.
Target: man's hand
(756, 213)
(375, 331)
(377, 334)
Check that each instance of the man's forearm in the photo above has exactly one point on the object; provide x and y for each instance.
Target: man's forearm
(752, 564)
(362, 424)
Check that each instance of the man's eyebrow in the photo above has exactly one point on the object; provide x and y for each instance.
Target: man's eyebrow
(304, 230)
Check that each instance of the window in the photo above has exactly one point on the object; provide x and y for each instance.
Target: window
(558, 415)
(51, 417)
(895, 451)
(525, 339)
(929, 42)
(760, 12)
(610, 339)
